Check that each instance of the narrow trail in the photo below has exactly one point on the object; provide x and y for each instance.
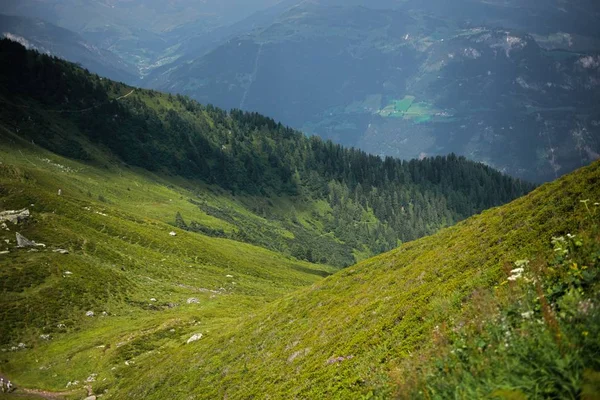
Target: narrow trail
(252, 77)
(42, 394)
(72, 111)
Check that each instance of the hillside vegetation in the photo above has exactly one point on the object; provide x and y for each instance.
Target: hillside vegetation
(322, 202)
(186, 249)
(447, 316)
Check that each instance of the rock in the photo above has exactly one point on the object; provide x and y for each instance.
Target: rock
(45, 337)
(14, 216)
(22, 241)
(194, 338)
(229, 276)
(153, 299)
(67, 273)
(173, 233)
(193, 300)
(89, 314)
(61, 251)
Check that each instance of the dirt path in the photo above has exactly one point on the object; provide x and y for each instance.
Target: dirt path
(71, 111)
(40, 394)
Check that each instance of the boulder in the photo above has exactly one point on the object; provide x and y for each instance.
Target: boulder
(23, 242)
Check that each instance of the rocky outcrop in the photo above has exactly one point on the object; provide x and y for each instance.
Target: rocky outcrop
(15, 216)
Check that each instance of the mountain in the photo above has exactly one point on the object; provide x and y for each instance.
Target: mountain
(155, 260)
(50, 39)
(408, 79)
(336, 205)
(146, 34)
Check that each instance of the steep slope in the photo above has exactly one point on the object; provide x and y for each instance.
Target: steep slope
(110, 282)
(408, 79)
(296, 195)
(50, 39)
(353, 334)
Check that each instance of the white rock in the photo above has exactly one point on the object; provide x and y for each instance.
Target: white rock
(22, 241)
(45, 337)
(229, 276)
(173, 233)
(14, 216)
(194, 338)
(61, 251)
(153, 299)
(193, 300)
(89, 314)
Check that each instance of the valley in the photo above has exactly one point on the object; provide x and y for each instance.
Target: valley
(300, 199)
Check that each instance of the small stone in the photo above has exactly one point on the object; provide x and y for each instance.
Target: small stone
(173, 233)
(89, 314)
(45, 337)
(194, 338)
(229, 276)
(153, 299)
(193, 300)
(61, 251)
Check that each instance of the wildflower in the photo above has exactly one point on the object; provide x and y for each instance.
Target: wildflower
(527, 314)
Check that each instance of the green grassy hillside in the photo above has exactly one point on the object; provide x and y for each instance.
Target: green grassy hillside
(147, 289)
(375, 330)
(163, 221)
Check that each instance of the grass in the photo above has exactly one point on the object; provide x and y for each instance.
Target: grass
(345, 336)
(408, 109)
(271, 325)
(123, 265)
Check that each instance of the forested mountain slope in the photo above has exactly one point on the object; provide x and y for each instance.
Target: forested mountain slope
(327, 203)
(513, 84)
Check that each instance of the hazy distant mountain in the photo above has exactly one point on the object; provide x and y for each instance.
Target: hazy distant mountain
(513, 84)
(147, 33)
(47, 38)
